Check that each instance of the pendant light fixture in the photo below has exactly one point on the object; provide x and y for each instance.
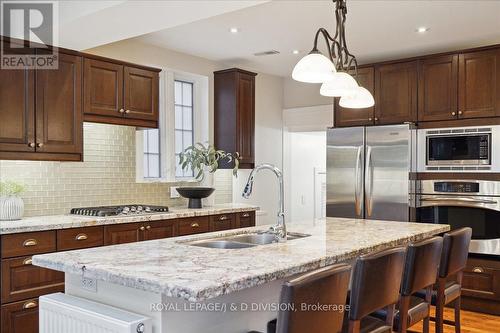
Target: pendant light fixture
(333, 71)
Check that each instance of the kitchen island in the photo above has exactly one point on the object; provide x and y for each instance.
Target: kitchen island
(186, 288)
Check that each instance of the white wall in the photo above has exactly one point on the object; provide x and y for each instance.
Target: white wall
(299, 94)
(268, 147)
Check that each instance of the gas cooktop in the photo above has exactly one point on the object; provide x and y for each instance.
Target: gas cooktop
(124, 210)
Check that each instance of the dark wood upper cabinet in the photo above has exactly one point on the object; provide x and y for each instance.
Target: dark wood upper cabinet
(234, 107)
(357, 117)
(140, 94)
(117, 93)
(479, 84)
(59, 117)
(396, 93)
(17, 110)
(438, 88)
(103, 86)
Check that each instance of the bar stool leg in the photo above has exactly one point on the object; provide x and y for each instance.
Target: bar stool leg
(457, 314)
(428, 298)
(404, 305)
(440, 305)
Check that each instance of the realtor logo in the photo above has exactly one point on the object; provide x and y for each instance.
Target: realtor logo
(33, 22)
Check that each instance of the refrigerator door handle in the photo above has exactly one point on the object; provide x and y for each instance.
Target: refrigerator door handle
(369, 181)
(358, 183)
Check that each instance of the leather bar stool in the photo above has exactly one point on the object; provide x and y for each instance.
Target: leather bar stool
(325, 286)
(449, 282)
(420, 272)
(375, 285)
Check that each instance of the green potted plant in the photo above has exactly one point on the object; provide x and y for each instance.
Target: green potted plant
(11, 203)
(203, 160)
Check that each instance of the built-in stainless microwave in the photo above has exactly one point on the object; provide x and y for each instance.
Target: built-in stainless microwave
(459, 149)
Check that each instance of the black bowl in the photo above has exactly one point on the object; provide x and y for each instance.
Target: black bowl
(195, 194)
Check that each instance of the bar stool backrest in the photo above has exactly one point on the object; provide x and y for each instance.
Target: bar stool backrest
(326, 286)
(455, 251)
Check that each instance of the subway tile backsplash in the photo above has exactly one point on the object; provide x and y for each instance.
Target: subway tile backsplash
(106, 177)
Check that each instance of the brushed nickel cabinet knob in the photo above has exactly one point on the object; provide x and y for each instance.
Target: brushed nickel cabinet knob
(376, 119)
(460, 112)
(121, 110)
(370, 119)
(142, 228)
(148, 227)
(127, 111)
(31, 145)
(453, 113)
(39, 145)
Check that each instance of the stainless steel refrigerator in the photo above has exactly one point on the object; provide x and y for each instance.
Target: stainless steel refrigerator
(369, 172)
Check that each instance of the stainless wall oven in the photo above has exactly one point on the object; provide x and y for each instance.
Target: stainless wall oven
(463, 203)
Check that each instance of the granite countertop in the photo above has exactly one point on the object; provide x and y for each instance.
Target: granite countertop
(176, 269)
(54, 222)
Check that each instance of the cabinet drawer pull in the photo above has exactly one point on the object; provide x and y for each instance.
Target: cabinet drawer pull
(478, 270)
(81, 237)
(370, 119)
(460, 112)
(376, 119)
(142, 228)
(27, 261)
(223, 218)
(30, 305)
(31, 145)
(30, 242)
(121, 110)
(453, 113)
(195, 225)
(39, 145)
(148, 227)
(127, 111)
(245, 215)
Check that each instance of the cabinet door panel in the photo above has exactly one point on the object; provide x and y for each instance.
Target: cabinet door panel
(20, 317)
(357, 117)
(22, 280)
(140, 94)
(160, 229)
(193, 225)
(59, 124)
(438, 88)
(17, 113)
(396, 93)
(123, 233)
(479, 86)
(222, 222)
(246, 118)
(246, 219)
(103, 88)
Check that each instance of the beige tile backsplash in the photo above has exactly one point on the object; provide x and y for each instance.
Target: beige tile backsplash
(106, 177)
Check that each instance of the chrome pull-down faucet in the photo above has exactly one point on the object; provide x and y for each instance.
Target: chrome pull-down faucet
(279, 229)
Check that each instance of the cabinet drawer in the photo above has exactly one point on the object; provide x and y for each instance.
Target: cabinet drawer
(15, 245)
(246, 219)
(22, 280)
(193, 225)
(481, 279)
(222, 222)
(79, 238)
(20, 317)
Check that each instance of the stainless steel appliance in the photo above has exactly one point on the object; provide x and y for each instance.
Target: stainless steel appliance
(119, 210)
(463, 203)
(369, 172)
(468, 149)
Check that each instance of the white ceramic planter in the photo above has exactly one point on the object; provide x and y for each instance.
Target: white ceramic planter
(11, 208)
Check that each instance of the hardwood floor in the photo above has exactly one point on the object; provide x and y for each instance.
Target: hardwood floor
(472, 322)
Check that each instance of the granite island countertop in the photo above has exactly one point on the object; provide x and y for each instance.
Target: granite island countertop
(56, 222)
(176, 269)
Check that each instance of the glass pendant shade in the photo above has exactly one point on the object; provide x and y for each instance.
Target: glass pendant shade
(341, 85)
(314, 68)
(361, 98)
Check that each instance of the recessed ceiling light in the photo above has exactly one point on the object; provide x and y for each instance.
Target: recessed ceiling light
(234, 30)
(422, 29)
(295, 51)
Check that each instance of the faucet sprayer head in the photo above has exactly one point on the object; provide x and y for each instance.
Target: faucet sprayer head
(248, 188)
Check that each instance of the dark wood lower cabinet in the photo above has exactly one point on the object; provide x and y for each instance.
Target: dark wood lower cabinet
(20, 317)
(22, 283)
(481, 286)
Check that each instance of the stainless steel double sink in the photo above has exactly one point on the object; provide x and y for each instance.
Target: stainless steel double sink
(243, 241)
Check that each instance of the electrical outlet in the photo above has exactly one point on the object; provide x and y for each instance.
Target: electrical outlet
(89, 284)
(173, 193)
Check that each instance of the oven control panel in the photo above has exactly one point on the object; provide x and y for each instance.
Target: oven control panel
(456, 187)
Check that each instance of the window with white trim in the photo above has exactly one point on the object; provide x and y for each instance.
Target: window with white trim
(184, 132)
(183, 122)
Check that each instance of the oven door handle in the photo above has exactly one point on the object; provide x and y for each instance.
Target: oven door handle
(460, 200)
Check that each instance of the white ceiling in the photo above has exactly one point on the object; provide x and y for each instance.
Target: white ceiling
(376, 30)
(85, 24)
